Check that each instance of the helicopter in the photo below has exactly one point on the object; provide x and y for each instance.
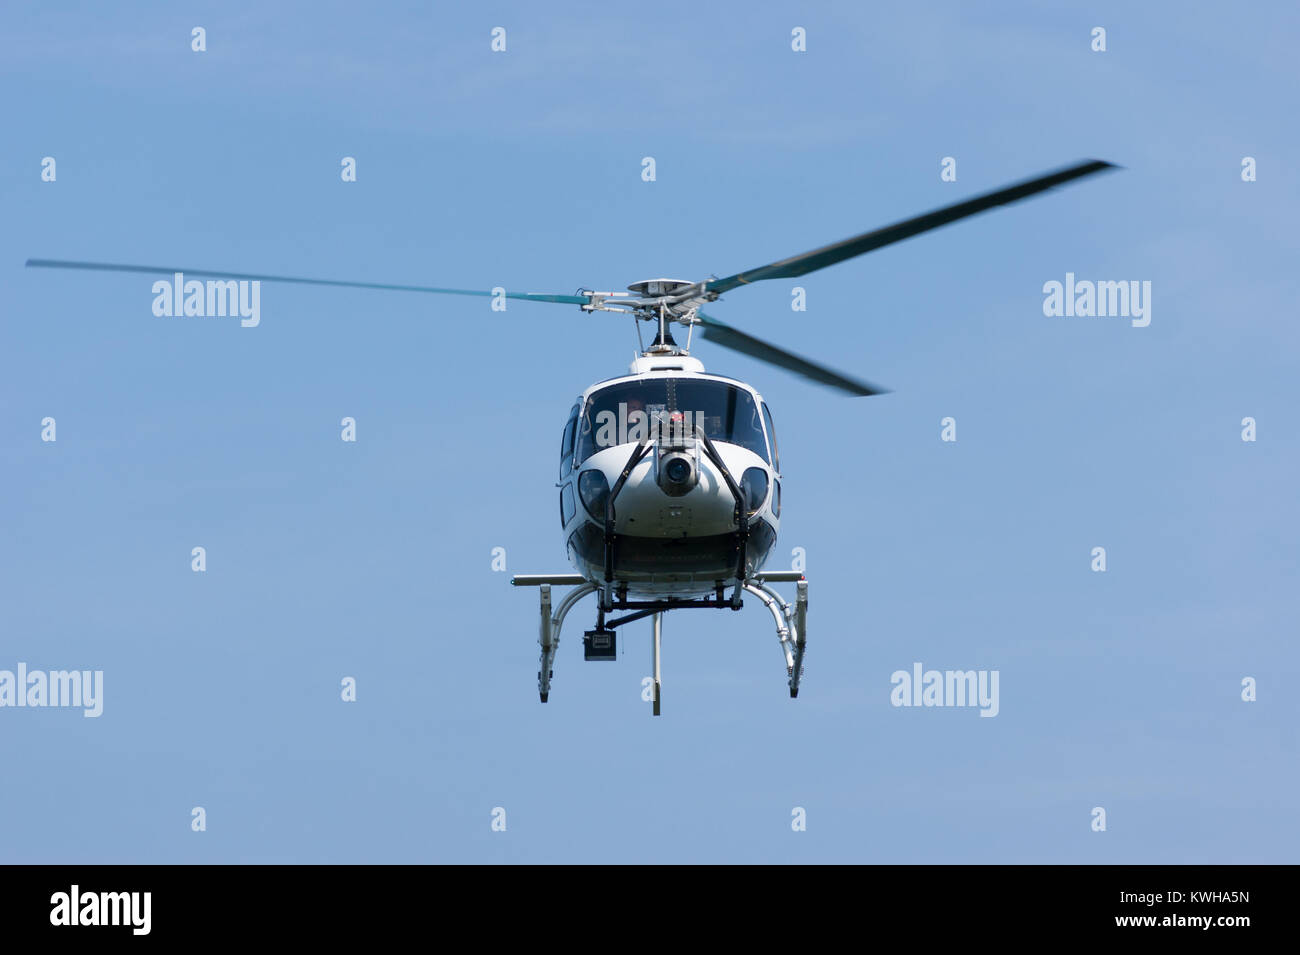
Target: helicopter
(670, 480)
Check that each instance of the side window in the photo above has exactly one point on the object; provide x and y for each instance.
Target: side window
(771, 438)
(566, 443)
(567, 507)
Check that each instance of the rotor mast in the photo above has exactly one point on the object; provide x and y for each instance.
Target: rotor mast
(662, 301)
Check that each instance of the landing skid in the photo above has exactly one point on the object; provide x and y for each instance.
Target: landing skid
(791, 622)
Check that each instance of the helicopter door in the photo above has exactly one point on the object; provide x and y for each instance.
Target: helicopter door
(566, 443)
(771, 438)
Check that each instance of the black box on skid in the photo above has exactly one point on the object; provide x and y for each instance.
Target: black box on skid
(599, 645)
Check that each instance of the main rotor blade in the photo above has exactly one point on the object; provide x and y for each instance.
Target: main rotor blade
(249, 276)
(733, 338)
(869, 241)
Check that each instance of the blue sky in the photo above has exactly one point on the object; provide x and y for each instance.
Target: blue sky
(523, 169)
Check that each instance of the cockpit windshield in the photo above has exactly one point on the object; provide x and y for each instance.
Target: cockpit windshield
(624, 413)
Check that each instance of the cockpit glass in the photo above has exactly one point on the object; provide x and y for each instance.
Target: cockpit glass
(624, 413)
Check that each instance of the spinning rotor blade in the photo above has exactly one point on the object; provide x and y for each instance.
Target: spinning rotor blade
(161, 270)
(728, 337)
(869, 241)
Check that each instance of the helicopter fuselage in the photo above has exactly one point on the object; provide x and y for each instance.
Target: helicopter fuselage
(677, 527)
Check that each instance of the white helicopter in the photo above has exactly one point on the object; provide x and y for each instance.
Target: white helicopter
(670, 483)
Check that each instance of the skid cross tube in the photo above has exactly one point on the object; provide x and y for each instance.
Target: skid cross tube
(624, 604)
(789, 626)
(800, 634)
(551, 624)
(547, 639)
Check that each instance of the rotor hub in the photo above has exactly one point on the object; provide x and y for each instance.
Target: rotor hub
(653, 288)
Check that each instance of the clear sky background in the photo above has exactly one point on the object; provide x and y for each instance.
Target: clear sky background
(523, 169)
